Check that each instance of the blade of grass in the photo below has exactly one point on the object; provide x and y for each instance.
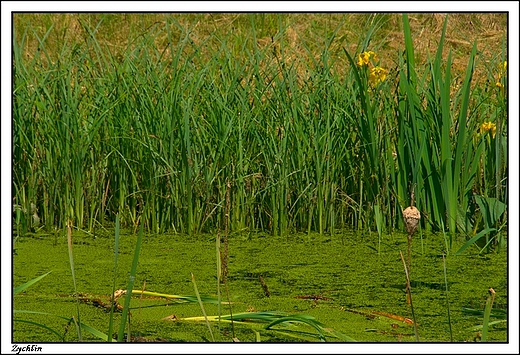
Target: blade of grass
(131, 280)
(496, 313)
(300, 319)
(447, 296)
(180, 298)
(29, 283)
(202, 306)
(71, 261)
(474, 239)
(112, 300)
(379, 226)
(487, 312)
(480, 327)
(272, 319)
(409, 290)
(219, 273)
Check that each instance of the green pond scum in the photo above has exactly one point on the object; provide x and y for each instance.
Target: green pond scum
(342, 281)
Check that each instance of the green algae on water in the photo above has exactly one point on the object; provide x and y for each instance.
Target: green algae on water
(341, 281)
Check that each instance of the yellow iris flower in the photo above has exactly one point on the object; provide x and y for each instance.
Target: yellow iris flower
(377, 75)
(364, 58)
(489, 126)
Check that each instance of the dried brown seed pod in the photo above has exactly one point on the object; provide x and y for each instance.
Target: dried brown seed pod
(411, 217)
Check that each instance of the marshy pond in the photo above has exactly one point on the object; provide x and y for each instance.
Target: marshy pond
(349, 282)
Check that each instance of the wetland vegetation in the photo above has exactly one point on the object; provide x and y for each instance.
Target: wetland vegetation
(260, 172)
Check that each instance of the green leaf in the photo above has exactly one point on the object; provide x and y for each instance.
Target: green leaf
(474, 239)
(29, 283)
(491, 209)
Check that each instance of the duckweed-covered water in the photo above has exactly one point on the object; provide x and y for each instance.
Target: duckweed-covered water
(349, 282)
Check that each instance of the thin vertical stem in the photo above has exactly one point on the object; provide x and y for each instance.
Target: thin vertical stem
(447, 296)
(409, 292)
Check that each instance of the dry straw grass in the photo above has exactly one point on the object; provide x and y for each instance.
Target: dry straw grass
(296, 35)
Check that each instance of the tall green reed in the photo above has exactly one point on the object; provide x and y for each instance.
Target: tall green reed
(156, 130)
(438, 152)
